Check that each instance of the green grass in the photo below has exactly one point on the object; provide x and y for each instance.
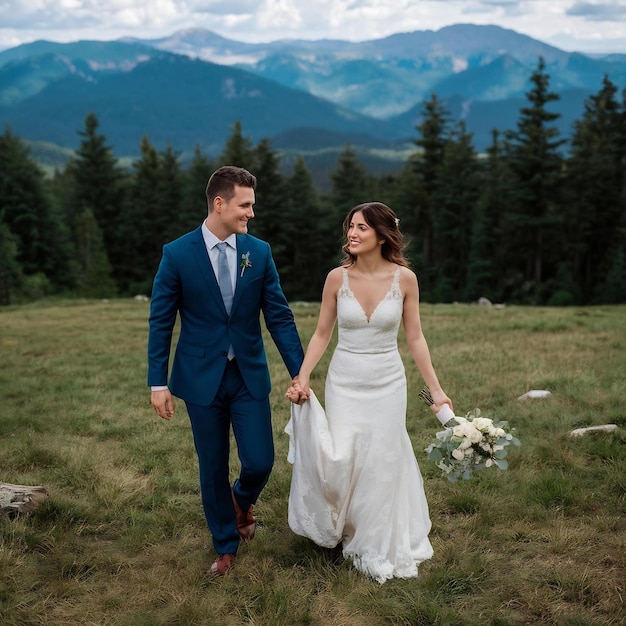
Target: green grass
(121, 539)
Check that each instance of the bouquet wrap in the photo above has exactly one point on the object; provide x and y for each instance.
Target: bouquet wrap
(445, 414)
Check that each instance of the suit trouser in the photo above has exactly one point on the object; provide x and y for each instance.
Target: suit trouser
(252, 427)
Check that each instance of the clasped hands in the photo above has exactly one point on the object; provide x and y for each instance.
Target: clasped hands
(298, 393)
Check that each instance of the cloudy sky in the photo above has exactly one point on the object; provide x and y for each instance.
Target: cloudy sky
(591, 26)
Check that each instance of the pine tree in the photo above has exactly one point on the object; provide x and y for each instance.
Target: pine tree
(536, 162)
(95, 280)
(269, 201)
(405, 196)
(594, 193)
(453, 220)
(427, 168)
(27, 210)
(486, 272)
(98, 187)
(310, 238)
(170, 194)
(239, 150)
(612, 290)
(194, 202)
(10, 269)
(143, 226)
(351, 185)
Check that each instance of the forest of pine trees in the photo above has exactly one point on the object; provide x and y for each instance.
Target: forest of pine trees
(534, 221)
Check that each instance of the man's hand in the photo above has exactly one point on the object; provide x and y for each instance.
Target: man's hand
(163, 403)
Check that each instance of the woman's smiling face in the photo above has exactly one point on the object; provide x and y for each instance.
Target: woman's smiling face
(362, 238)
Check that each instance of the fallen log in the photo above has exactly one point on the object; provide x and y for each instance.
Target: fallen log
(21, 498)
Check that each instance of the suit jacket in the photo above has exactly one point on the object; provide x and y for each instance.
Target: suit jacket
(185, 284)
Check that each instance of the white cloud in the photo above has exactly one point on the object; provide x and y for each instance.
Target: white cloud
(583, 23)
(279, 14)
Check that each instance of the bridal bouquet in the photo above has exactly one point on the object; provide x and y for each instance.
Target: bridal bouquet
(469, 444)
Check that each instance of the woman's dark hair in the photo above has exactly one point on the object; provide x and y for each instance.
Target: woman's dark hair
(223, 180)
(385, 222)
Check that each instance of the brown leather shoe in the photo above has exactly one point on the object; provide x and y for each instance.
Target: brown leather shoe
(246, 522)
(222, 564)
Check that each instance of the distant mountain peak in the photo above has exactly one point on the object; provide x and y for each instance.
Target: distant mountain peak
(190, 87)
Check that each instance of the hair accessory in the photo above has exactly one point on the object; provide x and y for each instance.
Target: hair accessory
(397, 221)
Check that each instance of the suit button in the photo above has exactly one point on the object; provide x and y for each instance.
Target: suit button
(224, 353)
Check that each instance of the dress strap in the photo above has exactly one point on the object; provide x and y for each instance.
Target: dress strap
(344, 290)
(395, 285)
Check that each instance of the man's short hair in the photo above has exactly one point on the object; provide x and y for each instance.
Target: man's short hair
(223, 181)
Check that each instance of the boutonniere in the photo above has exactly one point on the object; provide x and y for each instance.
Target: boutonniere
(245, 262)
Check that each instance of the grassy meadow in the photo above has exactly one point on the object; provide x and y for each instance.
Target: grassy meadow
(121, 539)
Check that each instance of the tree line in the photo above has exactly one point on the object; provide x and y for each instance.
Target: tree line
(529, 222)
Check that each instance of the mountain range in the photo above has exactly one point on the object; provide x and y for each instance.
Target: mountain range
(190, 88)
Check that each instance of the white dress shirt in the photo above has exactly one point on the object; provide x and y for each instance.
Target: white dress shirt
(211, 241)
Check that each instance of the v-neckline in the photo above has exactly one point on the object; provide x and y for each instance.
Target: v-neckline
(368, 318)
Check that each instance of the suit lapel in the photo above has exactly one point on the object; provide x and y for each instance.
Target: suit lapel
(243, 248)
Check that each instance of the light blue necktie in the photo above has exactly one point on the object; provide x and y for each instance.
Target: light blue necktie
(225, 283)
(223, 277)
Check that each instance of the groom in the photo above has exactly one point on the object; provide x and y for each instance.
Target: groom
(219, 279)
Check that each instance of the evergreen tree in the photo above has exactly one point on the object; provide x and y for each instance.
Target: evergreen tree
(405, 196)
(27, 210)
(95, 280)
(533, 221)
(239, 150)
(10, 270)
(594, 193)
(62, 187)
(194, 202)
(270, 201)
(453, 221)
(170, 194)
(351, 185)
(144, 227)
(97, 186)
(486, 271)
(612, 290)
(310, 232)
(427, 164)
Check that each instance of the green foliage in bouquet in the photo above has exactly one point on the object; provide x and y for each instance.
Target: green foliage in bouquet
(470, 444)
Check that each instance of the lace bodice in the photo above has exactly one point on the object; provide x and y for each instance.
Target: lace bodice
(379, 333)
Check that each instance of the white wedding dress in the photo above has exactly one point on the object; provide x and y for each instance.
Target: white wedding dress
(355, 479)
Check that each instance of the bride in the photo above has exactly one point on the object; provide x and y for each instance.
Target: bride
(355, 478)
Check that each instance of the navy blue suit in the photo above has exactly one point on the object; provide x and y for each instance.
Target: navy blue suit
(218, 393)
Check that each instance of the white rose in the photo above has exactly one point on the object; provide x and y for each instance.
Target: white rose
(474, 435)
(459, 431)
(459, 455)
(482, 423)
